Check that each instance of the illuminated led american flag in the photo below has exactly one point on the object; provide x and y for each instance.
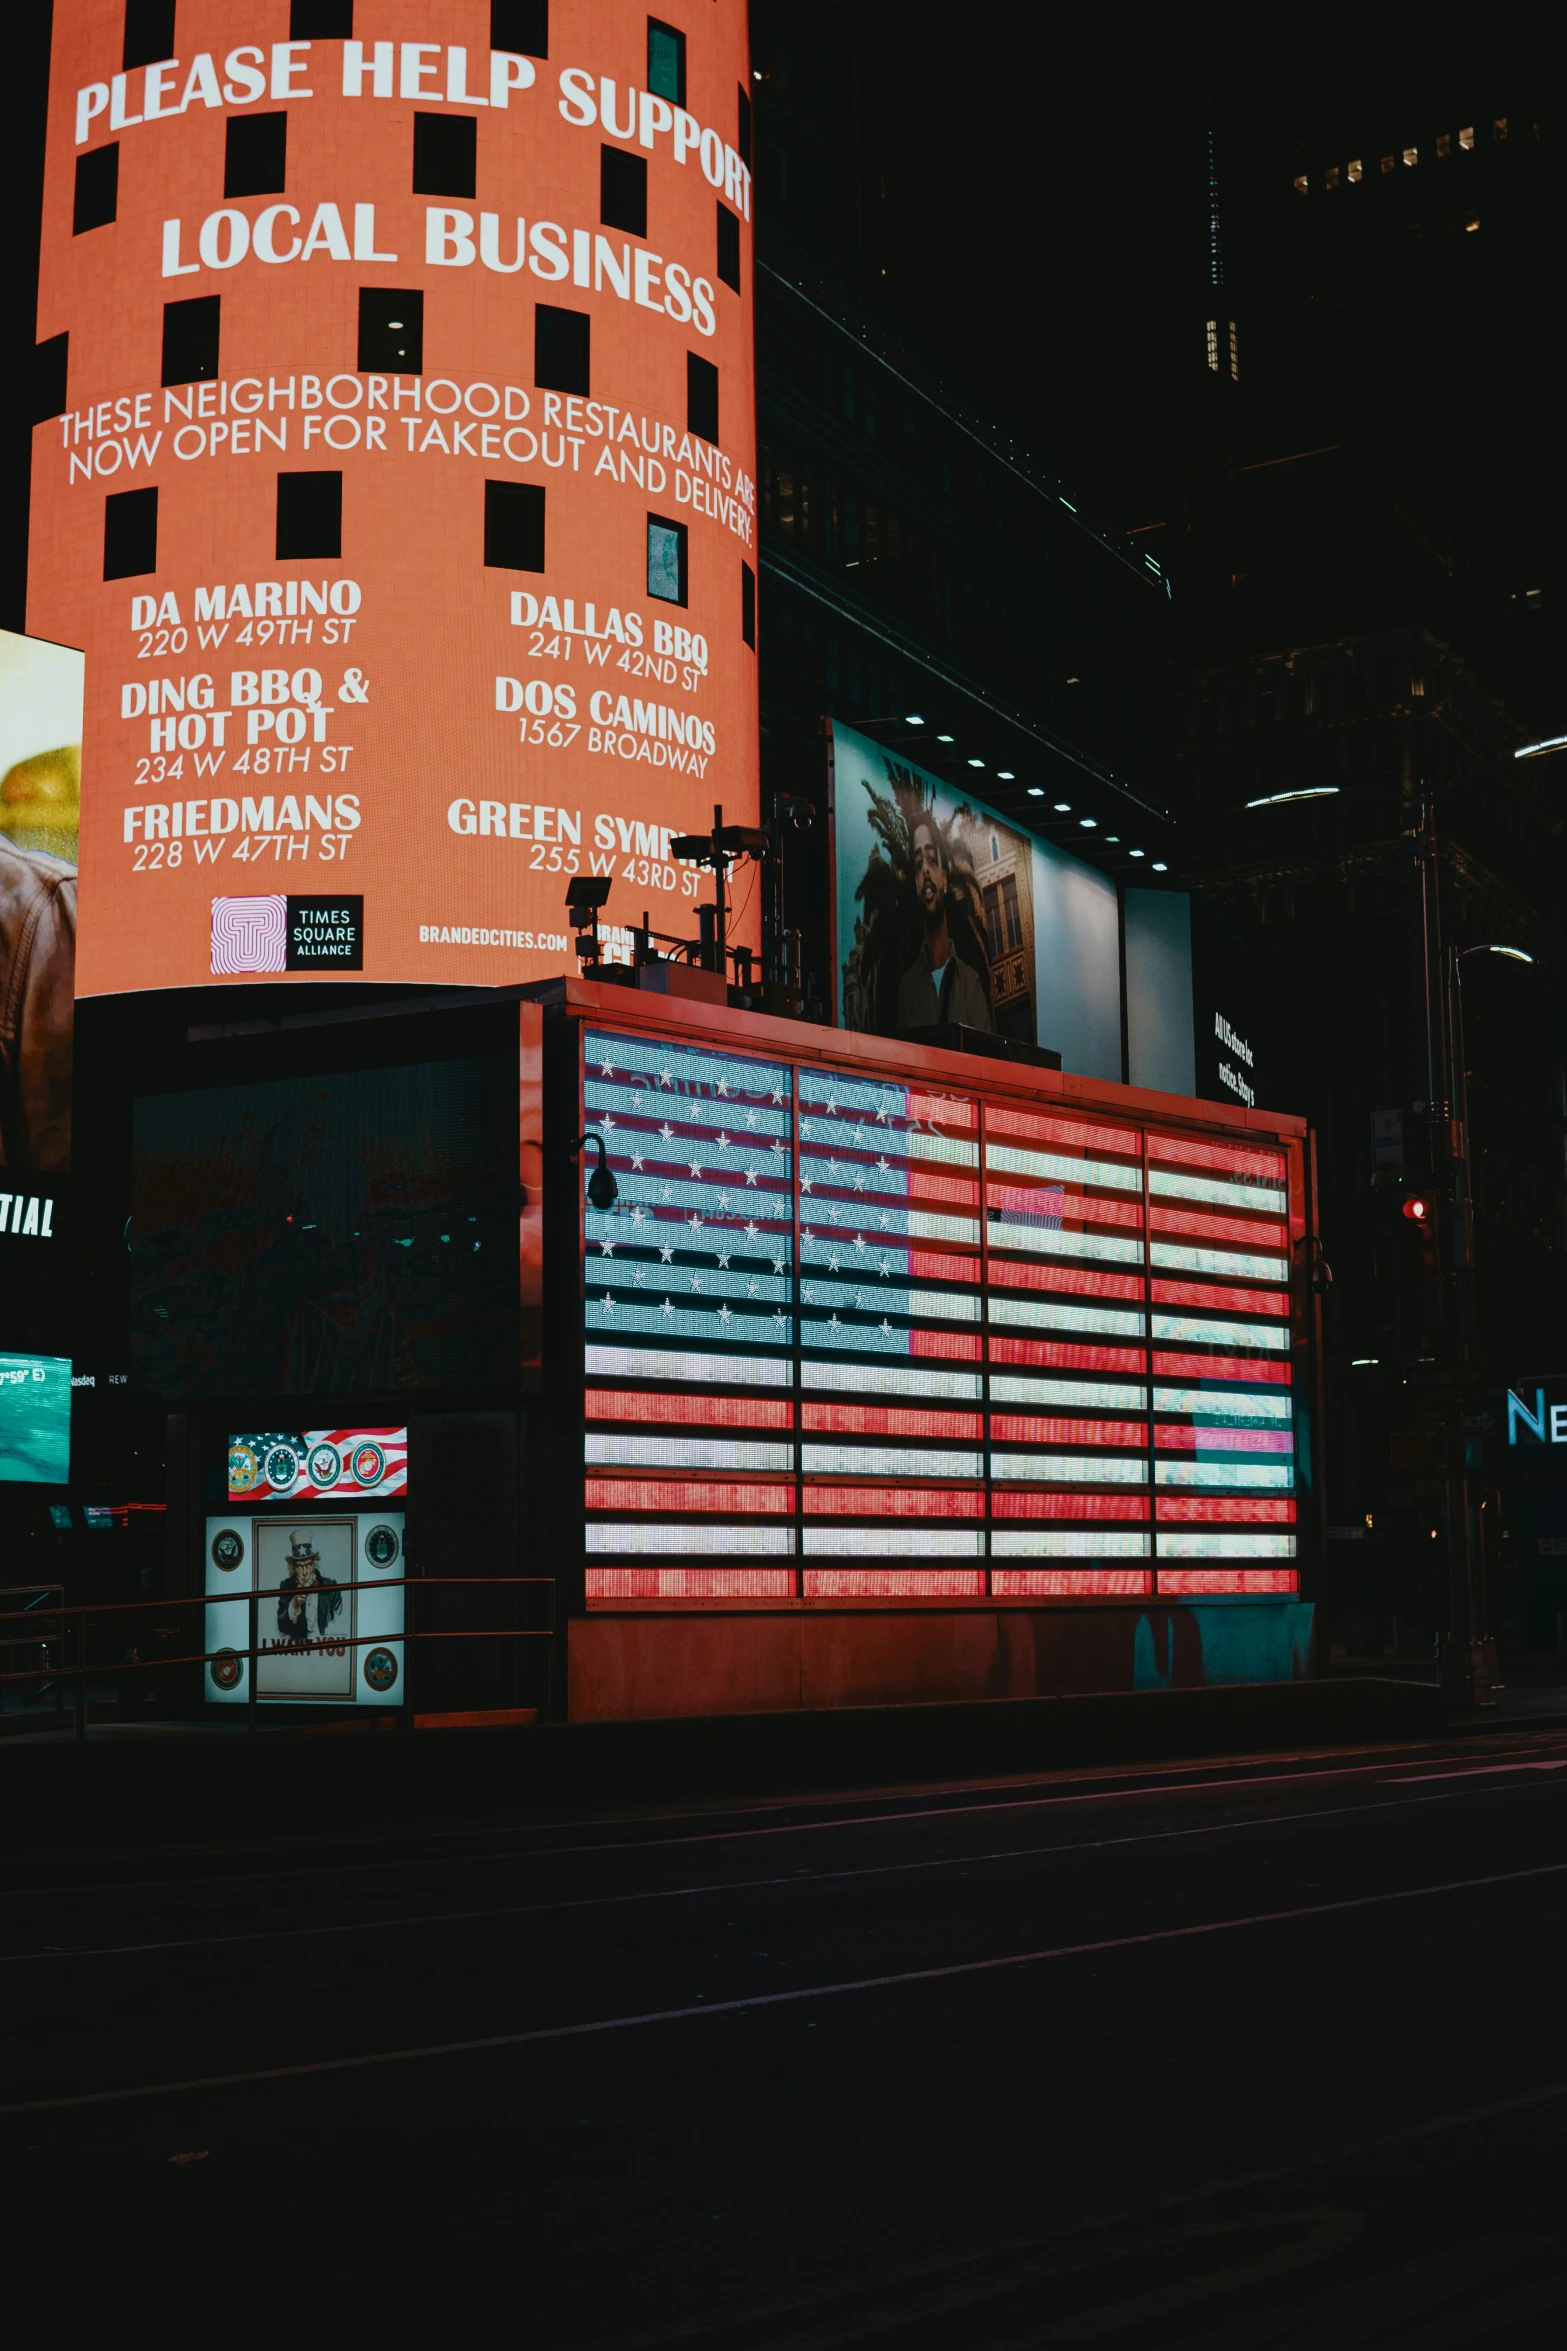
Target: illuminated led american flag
(892, 1370)
(1223, 1408)
(847, 1339)
(689, 1292)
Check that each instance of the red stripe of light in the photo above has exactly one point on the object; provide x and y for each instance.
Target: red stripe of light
(1209, 1294)
(718, 1412)
(1065, 1583)
(1035, 1129)
(1180, 1437)
(925, 1184)
(894, 1583)
(889, 1420)
(962, 1346)
(686, 1494)
(1024, 1429)
(942, 1110)
(1220, 1510)
(1077, 1208)
(928, 1265)
(1261, 1370)
(894, 1502)
(690, 1583)
(1261, 1232)
(1228, 1579)
(1025, 1502)
(1178, 1151)
(1066, 1355)
(1012, 1273)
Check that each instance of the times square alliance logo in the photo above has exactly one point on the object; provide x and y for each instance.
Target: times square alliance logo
(287, 934)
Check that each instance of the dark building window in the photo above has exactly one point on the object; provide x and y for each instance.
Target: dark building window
(666, 62)
(743, 123)
(522, 26)
(130, 534)
(667, 576)
(50, 366)
(623, 191)
(97, 189)
(319, 20)
(748, 605)
(1003, 915)
(729, 247)
(561, 349)
(190, 340)
(513, 526)
(255, 155)
(445, 154)
(391, 331)
(701, 397)
(149, 32)
(309, 515)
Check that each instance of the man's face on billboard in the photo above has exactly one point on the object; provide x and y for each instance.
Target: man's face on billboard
(930, 877)
(304, 1568)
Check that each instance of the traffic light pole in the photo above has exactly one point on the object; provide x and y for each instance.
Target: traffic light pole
(1467, 1660)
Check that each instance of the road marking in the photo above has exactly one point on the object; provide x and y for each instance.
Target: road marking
(759, 2000)
(713, 1886)
(1034, 2256)
(802, 1828)
(1474, 1771)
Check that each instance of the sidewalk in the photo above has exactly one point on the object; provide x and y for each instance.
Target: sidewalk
(1532, 1689)
(146, 1778)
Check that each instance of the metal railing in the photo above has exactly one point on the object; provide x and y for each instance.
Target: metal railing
(35, 1635)
(77, 1621)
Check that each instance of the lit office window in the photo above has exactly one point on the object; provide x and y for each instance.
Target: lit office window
(1499, 127)
(1213, 344)
(1466, 139)
(1235, 355)
(1444, 145)
(1330, 179)
(1355, 171)
(1411, 156)
(1302, 184)
(1389, 162)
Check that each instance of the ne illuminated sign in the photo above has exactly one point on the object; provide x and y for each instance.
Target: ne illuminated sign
(1536, 1423)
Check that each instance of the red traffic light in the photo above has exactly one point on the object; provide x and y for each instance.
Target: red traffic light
(1417, 1209)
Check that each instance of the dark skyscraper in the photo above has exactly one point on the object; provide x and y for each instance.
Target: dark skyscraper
(1360, 542)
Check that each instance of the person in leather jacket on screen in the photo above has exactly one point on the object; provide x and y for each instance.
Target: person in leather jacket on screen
(37, 1003)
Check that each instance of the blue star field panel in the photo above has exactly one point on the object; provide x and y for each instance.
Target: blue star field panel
(689, 1326)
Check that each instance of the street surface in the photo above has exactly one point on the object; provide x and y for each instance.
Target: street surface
(1200, 2054)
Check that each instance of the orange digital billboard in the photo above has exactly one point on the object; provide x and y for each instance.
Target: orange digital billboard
(403, 487)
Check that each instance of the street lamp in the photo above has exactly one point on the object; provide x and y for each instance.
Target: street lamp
(1470, 1616)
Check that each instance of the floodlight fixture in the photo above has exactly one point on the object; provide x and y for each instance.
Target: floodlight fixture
(603, 1191)
(1306, 792)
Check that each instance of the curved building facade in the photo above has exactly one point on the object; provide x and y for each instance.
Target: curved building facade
(402, 491)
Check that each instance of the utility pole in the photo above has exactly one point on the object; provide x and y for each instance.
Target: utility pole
(1467, 1665)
